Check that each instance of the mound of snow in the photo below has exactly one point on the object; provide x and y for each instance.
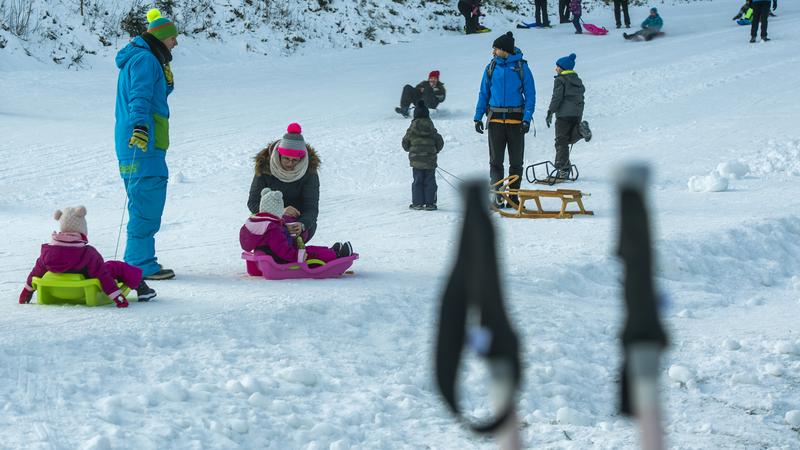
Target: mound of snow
(733, 169)
(570, 416)
(744, 378)
(713, 182)
(793, 418)
(681, 374)
(787, 348)
(731, 344)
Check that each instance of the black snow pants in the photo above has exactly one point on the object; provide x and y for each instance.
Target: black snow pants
(502, 135)
(760, 15)
(471, 24)
(621, 4)
(541, 12)
(566, 135)
(563, 11)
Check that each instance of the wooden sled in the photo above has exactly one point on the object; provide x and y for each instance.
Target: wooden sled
(516, 198)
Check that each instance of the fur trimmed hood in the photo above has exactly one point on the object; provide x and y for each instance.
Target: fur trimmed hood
(262, 159)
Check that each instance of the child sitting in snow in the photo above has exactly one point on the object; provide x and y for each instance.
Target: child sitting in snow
(745, 15)
(266, 231)
(70, 252)
(423, 143)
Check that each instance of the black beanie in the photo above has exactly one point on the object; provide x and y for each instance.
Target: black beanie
(421, 111)
(505, 43)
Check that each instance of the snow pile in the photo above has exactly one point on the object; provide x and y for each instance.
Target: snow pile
(680, 374)
(793, 418)
(733, 169)
(713, 182)
(778, 156)
(569, 416)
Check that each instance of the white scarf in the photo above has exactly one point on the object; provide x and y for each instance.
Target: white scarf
(287, 176)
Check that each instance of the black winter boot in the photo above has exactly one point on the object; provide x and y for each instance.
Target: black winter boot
(145, 293)
(346, 249)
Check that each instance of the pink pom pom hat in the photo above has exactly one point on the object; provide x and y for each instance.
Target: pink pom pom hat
(292, 145)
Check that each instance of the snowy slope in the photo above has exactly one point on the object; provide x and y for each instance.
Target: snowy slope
(57, 32)
(222, 360)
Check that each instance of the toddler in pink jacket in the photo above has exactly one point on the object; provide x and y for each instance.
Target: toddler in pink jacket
(69, 252)
(266, 231)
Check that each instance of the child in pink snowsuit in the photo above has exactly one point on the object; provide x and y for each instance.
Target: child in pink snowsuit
(267, 232)
(69, 252)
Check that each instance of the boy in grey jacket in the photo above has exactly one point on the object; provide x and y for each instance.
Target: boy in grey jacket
(423, 143)
(567, 105)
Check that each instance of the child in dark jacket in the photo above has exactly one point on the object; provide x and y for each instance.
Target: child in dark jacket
(69, 252)
(423, 143)
(267, 232)
(567, 105)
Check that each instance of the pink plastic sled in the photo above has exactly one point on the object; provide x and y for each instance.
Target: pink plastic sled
(260, 264)
(594, 29)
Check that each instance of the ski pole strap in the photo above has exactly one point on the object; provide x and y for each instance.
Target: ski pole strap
(473, 291)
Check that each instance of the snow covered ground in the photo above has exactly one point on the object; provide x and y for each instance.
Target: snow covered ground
(223, 360)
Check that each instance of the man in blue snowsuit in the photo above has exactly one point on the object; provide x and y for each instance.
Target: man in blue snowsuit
(507, 97)
(141, 137)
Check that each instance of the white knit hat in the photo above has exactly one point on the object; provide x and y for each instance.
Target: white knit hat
(72, 219)
(271, 202)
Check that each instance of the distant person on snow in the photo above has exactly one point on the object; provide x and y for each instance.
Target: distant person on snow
(563, 11)
(567, 105)
(289, 165)
(576, 9)
(650, 27)
(745, 15)
(267, 232)
(423, 143)
(507, 97)
(431, 91)
(541, 13)
(621, 5)
(141, 136)
(761, 16)
(69, 252)
(471, 10)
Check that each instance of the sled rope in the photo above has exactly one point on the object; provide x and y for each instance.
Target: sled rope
(446, 180)
(124, 205)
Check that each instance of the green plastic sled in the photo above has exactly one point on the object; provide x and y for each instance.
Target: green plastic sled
(71, 288)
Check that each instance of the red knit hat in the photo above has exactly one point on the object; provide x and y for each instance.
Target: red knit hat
(434, 74)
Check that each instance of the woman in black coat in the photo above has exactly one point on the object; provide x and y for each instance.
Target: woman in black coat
(289, 165)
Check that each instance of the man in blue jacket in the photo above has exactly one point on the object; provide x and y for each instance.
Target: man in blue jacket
(650, 26)
(507, 97)
(141, 137)
(760, 16)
